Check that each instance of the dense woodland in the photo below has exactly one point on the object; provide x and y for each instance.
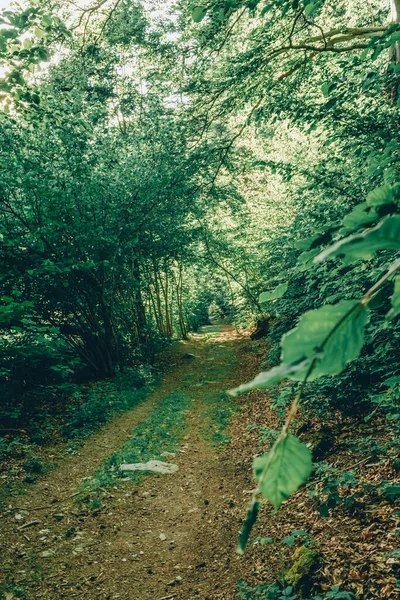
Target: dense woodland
(164, 166)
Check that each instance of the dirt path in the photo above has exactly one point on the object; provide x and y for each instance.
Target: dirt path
(170, 536)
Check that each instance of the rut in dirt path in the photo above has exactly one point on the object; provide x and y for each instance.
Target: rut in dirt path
(170, 536)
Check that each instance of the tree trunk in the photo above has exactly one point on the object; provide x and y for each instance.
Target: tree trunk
(395, 18)
(140, 311)
(179, 298)
(394, 54)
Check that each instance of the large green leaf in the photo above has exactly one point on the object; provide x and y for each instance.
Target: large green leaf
(275, 294)
(288, 465)
(198, 13)
(321, 238)
(333, 334)
(305, 259)
(385, 236)
(268, 378)
(380, 196)
(361, 216)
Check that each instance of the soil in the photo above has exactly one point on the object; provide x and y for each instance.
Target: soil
(174, 536)
(171, 536)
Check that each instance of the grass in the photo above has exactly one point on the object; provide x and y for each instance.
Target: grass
(217, 415)
(160, 433)
(218, 406)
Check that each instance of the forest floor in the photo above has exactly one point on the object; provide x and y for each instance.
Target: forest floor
(83, 531)
(152, 537)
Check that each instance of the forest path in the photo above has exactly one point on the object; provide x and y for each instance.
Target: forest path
(169, 536)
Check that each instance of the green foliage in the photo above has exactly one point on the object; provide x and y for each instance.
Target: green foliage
(138, 202)
(251, 518)
(276, 591)
(269, 378)
(33, 465)
(275, 294)
(281, 471)
(14, 448)
(265, 592)
(336, 332)
(385, 236)
(324, 341)
(198, 13)
(26, 40)
(338, 489)
(106, 400)
(395, 310)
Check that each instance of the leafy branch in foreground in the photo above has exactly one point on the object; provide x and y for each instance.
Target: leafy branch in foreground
(324, 341)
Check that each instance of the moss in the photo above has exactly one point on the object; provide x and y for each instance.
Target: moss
(300, 574)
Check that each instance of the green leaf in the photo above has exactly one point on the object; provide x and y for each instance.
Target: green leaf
(378, 298)
(395, 310)
(251, 518)
(263, 541)
(47, 20)
(275, 294)
(385, 236)
(310, 8)
(323, 511)
(380, 196)
(39, 32)
(9, 33)
(393, 39)
(268, 378)
(289, 541)
(327, 87)
(360, 216)
(266, 9)
(320, 238)
(305, 257)
(288, 465)
(377, 52)
(333, 334)
(330, 103)
(198, 13)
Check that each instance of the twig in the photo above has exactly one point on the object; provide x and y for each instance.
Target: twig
(360, 462)
(25, 525)
(230, 29)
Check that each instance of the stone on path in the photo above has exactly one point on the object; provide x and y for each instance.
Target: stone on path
(156, 466)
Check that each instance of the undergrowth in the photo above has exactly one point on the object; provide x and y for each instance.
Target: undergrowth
(106, 400)
(276, 591)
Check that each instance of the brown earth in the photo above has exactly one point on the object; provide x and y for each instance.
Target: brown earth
(172, 536)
